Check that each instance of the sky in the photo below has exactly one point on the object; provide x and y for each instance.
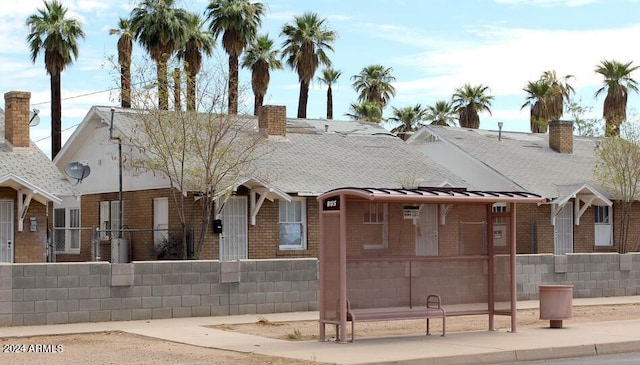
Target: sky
(432, 47)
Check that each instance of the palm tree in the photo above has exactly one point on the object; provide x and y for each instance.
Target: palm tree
(617, 82)
(541, 99)
(367, 111)
(260, 57)
(52, 31)
(561, 93)
(125, 47)
(442, 113)
(239, 20)
(373, 83)
(304, 47)
(329, 77)
(468, 101)
(199, 41)
(410, 119)
(161, 29)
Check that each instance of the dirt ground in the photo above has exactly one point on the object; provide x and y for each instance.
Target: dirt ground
(123, 348)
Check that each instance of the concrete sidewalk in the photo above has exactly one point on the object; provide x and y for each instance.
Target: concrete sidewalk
(583, 339)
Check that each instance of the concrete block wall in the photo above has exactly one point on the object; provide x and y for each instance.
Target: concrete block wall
(592, 275)
(37, 294)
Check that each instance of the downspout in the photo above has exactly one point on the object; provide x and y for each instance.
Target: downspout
(112, 138)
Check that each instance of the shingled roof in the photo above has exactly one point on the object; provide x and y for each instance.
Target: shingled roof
(319, 155)
(30, 166)
(315, 156)
(525, 159)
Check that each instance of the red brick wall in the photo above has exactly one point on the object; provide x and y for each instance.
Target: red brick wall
(273, 119)
(16, 118)
(561, 136)
(28, 246)
(583, 234)
(264, 239)
(138, 215)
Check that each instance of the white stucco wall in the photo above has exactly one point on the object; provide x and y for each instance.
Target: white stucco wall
(102, 155)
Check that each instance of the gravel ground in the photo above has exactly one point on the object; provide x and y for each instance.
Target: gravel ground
(123, 348)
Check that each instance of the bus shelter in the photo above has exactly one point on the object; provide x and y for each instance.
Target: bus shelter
(391, 248)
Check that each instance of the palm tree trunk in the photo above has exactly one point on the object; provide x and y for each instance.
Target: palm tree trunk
(257, 104)
(56, 115)
(329, 103)
(191, 91)
(233, 84)
(163, 93)
(125, 84)
(302, 99)
(177, 97)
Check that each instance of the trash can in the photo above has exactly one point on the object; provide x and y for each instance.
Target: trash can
(556, 303)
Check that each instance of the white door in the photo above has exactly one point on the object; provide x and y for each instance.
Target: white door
(160, 220)
(563, 230)
(427, 231)
(233, 243)
(6, 231)
(602, 229)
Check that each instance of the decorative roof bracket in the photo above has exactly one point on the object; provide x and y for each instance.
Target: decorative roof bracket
(579, 210)
(24, 200)
(444, 210)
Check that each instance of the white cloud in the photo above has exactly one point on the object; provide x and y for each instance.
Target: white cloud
(506, 58)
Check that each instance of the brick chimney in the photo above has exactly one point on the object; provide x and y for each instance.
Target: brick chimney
(16, 118)
(273, 120)
(561, 136)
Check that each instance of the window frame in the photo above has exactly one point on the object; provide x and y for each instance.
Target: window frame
(70, 229)
(384, 209)
(609, 223)
(108, 228)
(302, 222)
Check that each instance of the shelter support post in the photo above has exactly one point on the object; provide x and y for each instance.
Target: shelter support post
(490, 264)
(512, 269)
(343, 268)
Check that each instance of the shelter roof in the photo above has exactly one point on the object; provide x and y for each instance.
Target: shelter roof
(434, 195)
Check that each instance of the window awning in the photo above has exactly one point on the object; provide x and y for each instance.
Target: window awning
(585, 196)
(20, 184)
(26, 192)
(256, 187)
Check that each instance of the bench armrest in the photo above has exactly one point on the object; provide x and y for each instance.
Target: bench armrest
(434, 302)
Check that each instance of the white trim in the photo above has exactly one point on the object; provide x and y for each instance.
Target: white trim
(18, 183)
(303, 222)
(68, 230)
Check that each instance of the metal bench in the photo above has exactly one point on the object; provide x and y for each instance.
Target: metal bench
(433, 309)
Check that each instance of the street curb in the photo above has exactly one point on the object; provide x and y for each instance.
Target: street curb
(556, 352)
(515, 356)
(617, 347)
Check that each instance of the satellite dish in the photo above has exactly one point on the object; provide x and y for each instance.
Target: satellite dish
(77, 170)
(34, 118)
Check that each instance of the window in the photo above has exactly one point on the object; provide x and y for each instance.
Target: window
(602, 214)
(602, 230)
(66, 233)
(376, 228)
(499, 208)
(160, 220)
(293, 224)
(109, 219)
(374, 213)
